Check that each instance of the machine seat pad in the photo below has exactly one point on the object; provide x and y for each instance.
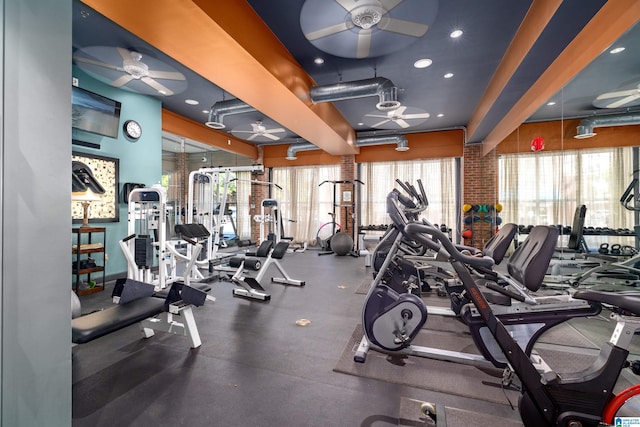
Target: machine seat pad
(628, 300)
(95, 325)
(192, 231)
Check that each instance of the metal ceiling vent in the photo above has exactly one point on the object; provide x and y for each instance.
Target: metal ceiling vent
(586, 126)
(225, 108)
(384, 88)
(366, 28)
(401, 144)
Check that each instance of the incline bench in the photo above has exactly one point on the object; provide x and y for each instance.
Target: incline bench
(136, 303)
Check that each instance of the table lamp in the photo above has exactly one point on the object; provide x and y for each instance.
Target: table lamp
(85, 198)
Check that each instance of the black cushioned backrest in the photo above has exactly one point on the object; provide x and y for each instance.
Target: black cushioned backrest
(280, 250)
(577, 228)
(264, 248)
(529, 262)
(192, 231)
(498, 245)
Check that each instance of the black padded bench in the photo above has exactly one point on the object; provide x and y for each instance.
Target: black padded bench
(95, 325)
(138, 304)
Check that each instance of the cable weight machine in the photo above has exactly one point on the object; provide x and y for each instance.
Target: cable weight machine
(343, 242)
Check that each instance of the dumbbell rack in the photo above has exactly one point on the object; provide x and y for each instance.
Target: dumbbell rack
(480, 212)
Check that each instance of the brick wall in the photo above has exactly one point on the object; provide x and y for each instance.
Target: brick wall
(479, 187)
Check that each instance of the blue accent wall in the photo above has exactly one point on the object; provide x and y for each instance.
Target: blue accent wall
(140, 161)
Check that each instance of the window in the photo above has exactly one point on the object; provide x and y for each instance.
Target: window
(438, 176)
(545, 188)
(303, 200)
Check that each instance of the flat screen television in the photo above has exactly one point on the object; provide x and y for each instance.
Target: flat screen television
(94, 113)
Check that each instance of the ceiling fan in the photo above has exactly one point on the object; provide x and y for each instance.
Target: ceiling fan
(259, 132)
(402, 117)
(618, 99)
(126, 69)
(369, 28)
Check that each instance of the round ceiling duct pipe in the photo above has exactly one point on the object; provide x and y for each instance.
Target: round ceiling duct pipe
(225, 108)
(401, 144)
(586, 126)
(386, 91)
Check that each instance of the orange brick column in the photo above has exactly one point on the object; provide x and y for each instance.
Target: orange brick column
(480, 187)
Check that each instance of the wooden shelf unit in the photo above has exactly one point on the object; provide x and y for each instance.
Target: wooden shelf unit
(89, 247)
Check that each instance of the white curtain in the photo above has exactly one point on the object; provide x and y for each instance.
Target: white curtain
(546, 187)
(304, 203)
(439, 180)
(243, 193)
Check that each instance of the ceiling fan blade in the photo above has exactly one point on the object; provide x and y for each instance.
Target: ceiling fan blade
(242, 131)
(124, 53)
(252, 136)
(275, 130)
(402, 123)
(623, 101)
(400, 26)
(122, 80)
(617, 94)
(364, 43)
(389, 4)
(157, 86)
(167, 75)
(397, 112)
(380, 123)
(98, 63)
(348, 5)
(379, 116)
(271, 137)
(417, 116)
(328, 31)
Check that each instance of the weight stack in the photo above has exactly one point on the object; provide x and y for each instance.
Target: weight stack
(143, 251)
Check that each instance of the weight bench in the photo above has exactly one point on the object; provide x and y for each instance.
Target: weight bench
(250, 287)
(136, 303)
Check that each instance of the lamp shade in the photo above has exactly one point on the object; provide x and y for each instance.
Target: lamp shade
(84, 196)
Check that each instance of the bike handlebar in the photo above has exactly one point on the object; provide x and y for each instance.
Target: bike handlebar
(418, 232)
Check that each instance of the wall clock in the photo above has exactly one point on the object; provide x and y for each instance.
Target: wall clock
(132, 129)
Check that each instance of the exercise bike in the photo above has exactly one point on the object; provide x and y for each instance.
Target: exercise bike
(584, 399)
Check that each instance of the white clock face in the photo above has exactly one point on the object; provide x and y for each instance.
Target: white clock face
(133, 129)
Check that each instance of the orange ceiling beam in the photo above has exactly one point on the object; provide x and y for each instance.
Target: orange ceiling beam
(535, 21)
(611, 22)
(228, 44)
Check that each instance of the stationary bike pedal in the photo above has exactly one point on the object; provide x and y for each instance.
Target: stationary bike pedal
(635, 366)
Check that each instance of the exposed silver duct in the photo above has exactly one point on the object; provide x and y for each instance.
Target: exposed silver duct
(387, 92)
(225, 108)
(586, 126)
(401, 144)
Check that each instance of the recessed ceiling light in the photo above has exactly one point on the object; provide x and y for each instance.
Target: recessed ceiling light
(455, 34)
(191, 102)
(550, 103)
(616, 50)
(205, 111)
(360, 124)
(422, 63)
(440, 115)
(448, 75)
(319, 61)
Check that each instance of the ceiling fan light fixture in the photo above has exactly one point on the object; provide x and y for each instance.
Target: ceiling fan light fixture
(366, 17)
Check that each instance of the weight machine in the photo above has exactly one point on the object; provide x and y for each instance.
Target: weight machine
(348, 199)
(150, 257)
(207, 205)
